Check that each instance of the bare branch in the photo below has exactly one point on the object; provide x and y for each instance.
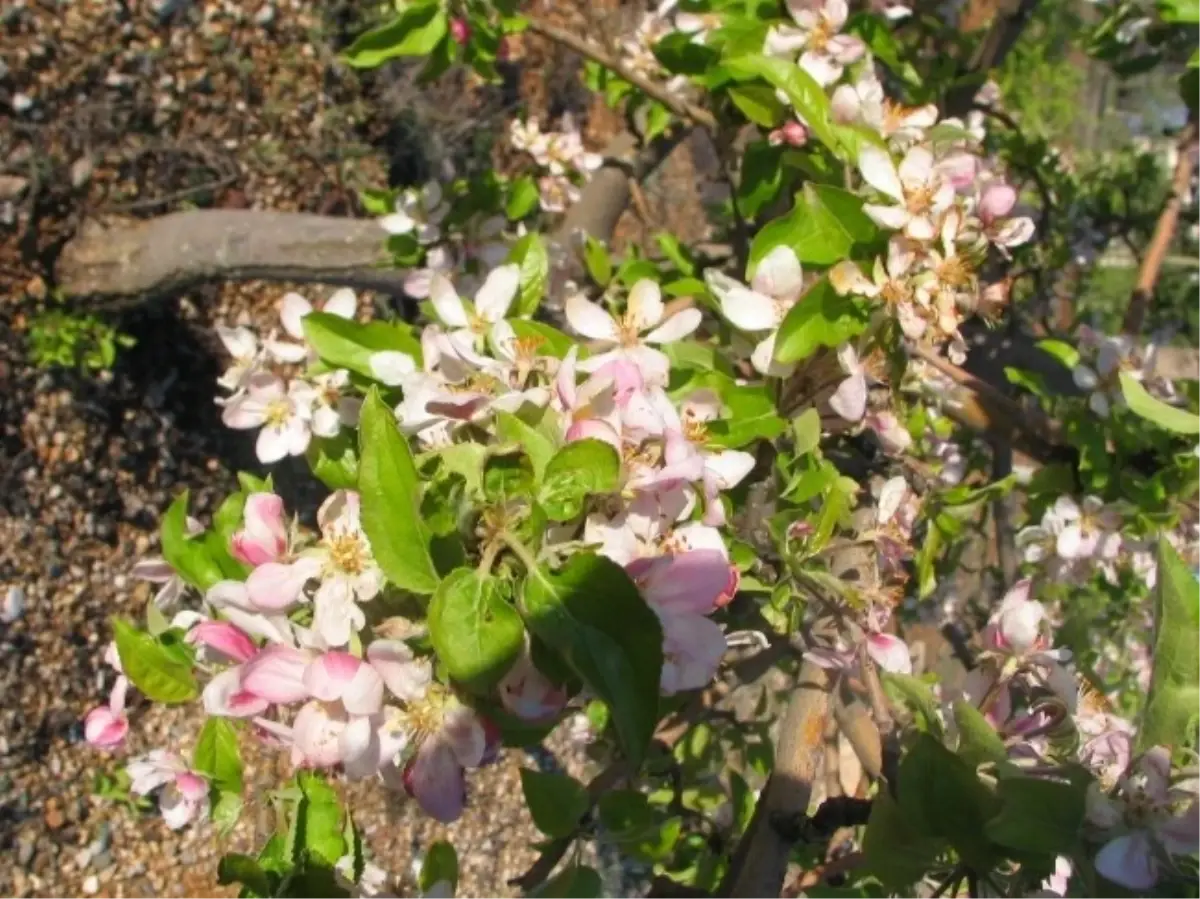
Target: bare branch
(697, 115)
(1164, 233)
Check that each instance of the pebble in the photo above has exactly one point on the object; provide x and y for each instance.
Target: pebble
(81, 171)
(14, 604)
(265, 15)
(12, 187)
(53, 815)
(21, 103)
(91, 885)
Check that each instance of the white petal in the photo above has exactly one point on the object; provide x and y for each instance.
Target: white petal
(678, 326)
(916, 168)
(847, 278)
(645, 304)
(391, 366)
(326, 422)
(763, 358)
(779, 274)
(850, 399)
(272, 445)
(343, 303)
(588, 319)
(879, 171)
(397, 223)
(890, 498)
(892, 217)
(291, 310)
(446, 302)
(729, 467)
(744, 308)
(493, 300)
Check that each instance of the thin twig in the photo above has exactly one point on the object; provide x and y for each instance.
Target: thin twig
(1164, 233)
(683, 108)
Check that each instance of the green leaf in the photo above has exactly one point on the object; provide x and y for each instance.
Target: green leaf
(163, 672)
(878, 34)
(594, 616)
(320, 814)
(530, 254)
(807, 97)
(523, 199)
(334, 460)
(1154, 410)
(476, 633)
(216, 755)
(415, 32)
(806, 431)
(189, 556)
(759, 104)
(556, 801)
(226, 811)
(1063, 352)
(978, 741)
(553, 342)
(676, 253)
(820, 318)
(896, 850)
(390, 494)
(762, 177)
(918, 696)
(580, 468)
(238, 868)
(440, 864)
(599, 263)
(537, 446)
(574, 882)
(253, 484)
(825, 224)
(626, 815)
(1038, 815)
(942, 796)
(1185, 12)
(1169, 718)
(343, 343)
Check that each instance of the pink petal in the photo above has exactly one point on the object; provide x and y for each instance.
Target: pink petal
(327, 676)
(225, 697)
(103, 729)
(225, 638)
(276, 586)
(364, 694)
(317, 735)
(435, 779)
(276, 674)
(688, 582)
(890, 653)
(1129, 861)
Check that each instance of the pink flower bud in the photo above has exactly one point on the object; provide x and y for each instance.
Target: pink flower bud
(106, 726)
(1017, 624)
(960, 169)
(264, 537)
(997, 201)
(227, 639)
(528, 693)
(890, 653)
(460, 31)
(791, 133)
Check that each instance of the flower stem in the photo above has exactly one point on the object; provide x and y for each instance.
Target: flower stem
(521, 551)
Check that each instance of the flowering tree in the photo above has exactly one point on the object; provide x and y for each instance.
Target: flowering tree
(596, 492)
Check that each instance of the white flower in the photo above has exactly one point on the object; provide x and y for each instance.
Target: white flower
(284, 414)
(850, 399)
(292, 310)
(890, 282)
(919, 192)
(492, 303)
(825, 51)
(332, 409)
(247, 356)
(1090, 531)
(864, 102)
(623, 337)
(763, 305)
(418, 212)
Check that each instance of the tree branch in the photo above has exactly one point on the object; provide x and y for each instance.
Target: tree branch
(697, 115)
(1164, 233)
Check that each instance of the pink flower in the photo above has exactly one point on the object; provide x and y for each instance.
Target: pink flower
(692, 650)
(460, 31)
(817, 33)
(918, 191)
(697, 582)
(284, 414)
(763, 305)
(1017, 625)
(186, 795)
(105, 727)
(890, 653)
(276, 674)
(528, 693)
(792, 133)
(340, 676)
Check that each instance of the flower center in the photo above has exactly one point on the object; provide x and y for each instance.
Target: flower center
(695, 430)
(820, 36)
(347, 553)
(277, 413)
(423, 717)
(955, 271)
(628, 332)
(920, 200)
(895, 292)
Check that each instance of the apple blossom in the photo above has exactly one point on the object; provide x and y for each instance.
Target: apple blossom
(491, 304)
(105, 727)
(891, 281)
(264, 534)
(292, 311)
(528, 693)
(185, 794)
(283, 413)
(824, 51)
(622, 337)
(762, 306)
(242, 345)
(919, 193)
(419, 212)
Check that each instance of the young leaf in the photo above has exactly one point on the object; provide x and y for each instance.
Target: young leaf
(556, 801)
(320, 816)
(820, 318)
(762, 177)
(334, 460)
(189, 556)
(806, 430)
(415, 32)
(897, 850)
(390, 493)
(1169, 718)
(592, 613)
(918, 696)
(978, 741)
(599, 263)
(806, 95)
(476, 633)
(226, 811)
(530, 254)
(440, 865)
(1154, 410)
(759, 104)
(1038, 815)
(824, 225)
(523, 198)
(343, 343)
(162, 672)
(537, 446)
(578, 469)
(216, 755)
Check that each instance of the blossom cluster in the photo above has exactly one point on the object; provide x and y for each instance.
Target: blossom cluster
(564, 162)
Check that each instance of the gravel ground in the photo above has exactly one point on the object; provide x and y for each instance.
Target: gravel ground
(111, 108)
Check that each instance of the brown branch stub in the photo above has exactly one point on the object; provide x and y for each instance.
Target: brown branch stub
(126, 257)
(683, 108)
(1164, 233)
